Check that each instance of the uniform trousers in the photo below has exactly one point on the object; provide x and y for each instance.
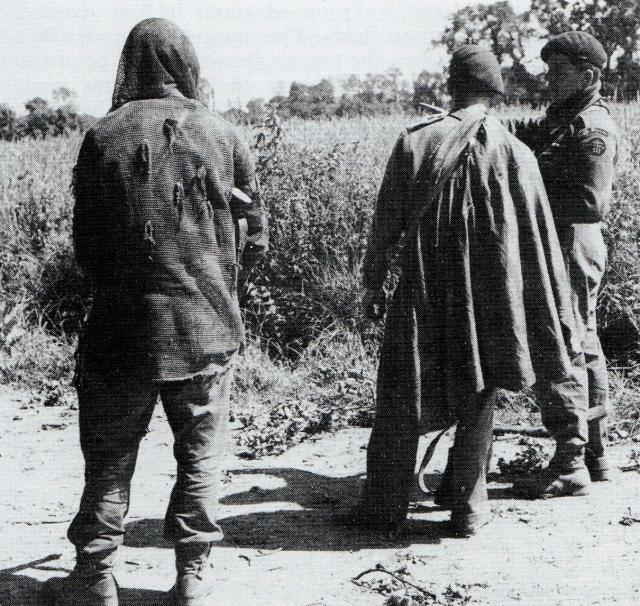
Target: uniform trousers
(114, 417)
(585, 256)
(391, 459)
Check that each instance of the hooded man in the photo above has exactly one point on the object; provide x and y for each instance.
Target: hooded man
(576, 145)
(483, 302)
(161, 187)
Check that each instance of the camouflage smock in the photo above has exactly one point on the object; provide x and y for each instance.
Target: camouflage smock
(154, 219)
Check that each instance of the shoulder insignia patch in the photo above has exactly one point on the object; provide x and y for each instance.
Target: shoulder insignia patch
(595, 146)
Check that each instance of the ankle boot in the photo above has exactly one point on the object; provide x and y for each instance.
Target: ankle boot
(91, 583)
(192, 586)
(566, 475)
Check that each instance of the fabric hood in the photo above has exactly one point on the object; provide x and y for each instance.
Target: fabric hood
(158, 60)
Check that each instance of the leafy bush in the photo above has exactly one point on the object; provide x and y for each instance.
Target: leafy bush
(319, 181)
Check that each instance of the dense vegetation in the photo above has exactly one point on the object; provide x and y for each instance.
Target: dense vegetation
(311, 348)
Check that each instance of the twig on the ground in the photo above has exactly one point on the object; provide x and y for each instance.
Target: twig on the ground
(383, 570)
(532, 432)
(629, 519)
(635, 467)
(33, 563)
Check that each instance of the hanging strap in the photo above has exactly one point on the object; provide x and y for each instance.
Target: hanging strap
(428, 454)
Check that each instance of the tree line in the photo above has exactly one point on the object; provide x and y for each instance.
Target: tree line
(42, 120)
(616, 23)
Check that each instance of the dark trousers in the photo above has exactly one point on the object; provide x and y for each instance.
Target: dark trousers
(470, 456)
(114, 416)
(391, 460)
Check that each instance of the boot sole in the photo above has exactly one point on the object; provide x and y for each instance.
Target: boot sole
(443, 503)
(580, 492)
(566, 492)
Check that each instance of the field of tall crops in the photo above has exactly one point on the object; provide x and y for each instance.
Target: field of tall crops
(319, 181)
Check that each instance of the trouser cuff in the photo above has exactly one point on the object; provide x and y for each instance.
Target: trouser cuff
(95, 563)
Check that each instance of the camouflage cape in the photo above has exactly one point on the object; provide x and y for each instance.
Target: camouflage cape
(483, 300)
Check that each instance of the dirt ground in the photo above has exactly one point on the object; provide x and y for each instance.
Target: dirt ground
(282, 546)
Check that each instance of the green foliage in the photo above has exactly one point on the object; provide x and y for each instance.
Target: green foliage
(319, 181)
(526, 461)
(7, 123)
(615, 23)
(496, 25)
(42, 121)
(308, 101)
(430, 88)
(319, 200)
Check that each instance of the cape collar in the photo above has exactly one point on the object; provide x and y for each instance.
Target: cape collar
(477, 110)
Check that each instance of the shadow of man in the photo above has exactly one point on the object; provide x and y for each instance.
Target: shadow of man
(23, 590)
(297, 515)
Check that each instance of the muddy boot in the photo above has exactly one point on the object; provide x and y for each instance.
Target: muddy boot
(595, 455)
(566, 475)
(89, 584)
(193, 587)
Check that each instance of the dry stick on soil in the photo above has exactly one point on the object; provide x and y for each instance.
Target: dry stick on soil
(383, 570)
(532, 432)
(635, 467)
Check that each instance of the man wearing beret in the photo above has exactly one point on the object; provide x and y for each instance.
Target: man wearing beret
(576, 145)
(483, 302)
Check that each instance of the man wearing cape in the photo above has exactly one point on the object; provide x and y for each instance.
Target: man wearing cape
(483, 302)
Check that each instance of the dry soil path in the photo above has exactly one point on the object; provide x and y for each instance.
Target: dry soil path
(282, 546)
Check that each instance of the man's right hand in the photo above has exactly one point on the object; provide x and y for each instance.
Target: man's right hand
(374, 304)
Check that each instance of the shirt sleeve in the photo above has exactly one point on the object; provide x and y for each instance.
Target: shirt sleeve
(254, 213)
(389, 219)
(587, 193)
(90, 216)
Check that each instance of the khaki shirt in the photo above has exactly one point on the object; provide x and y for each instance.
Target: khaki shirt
(576, 145)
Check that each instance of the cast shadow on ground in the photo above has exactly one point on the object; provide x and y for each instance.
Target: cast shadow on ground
(22, 590)
(311, 526)
(503, 491)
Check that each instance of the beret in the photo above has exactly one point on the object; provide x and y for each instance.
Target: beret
(475, 68)
(576, 45)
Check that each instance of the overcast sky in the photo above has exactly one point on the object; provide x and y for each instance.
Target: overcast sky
(247, 48)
